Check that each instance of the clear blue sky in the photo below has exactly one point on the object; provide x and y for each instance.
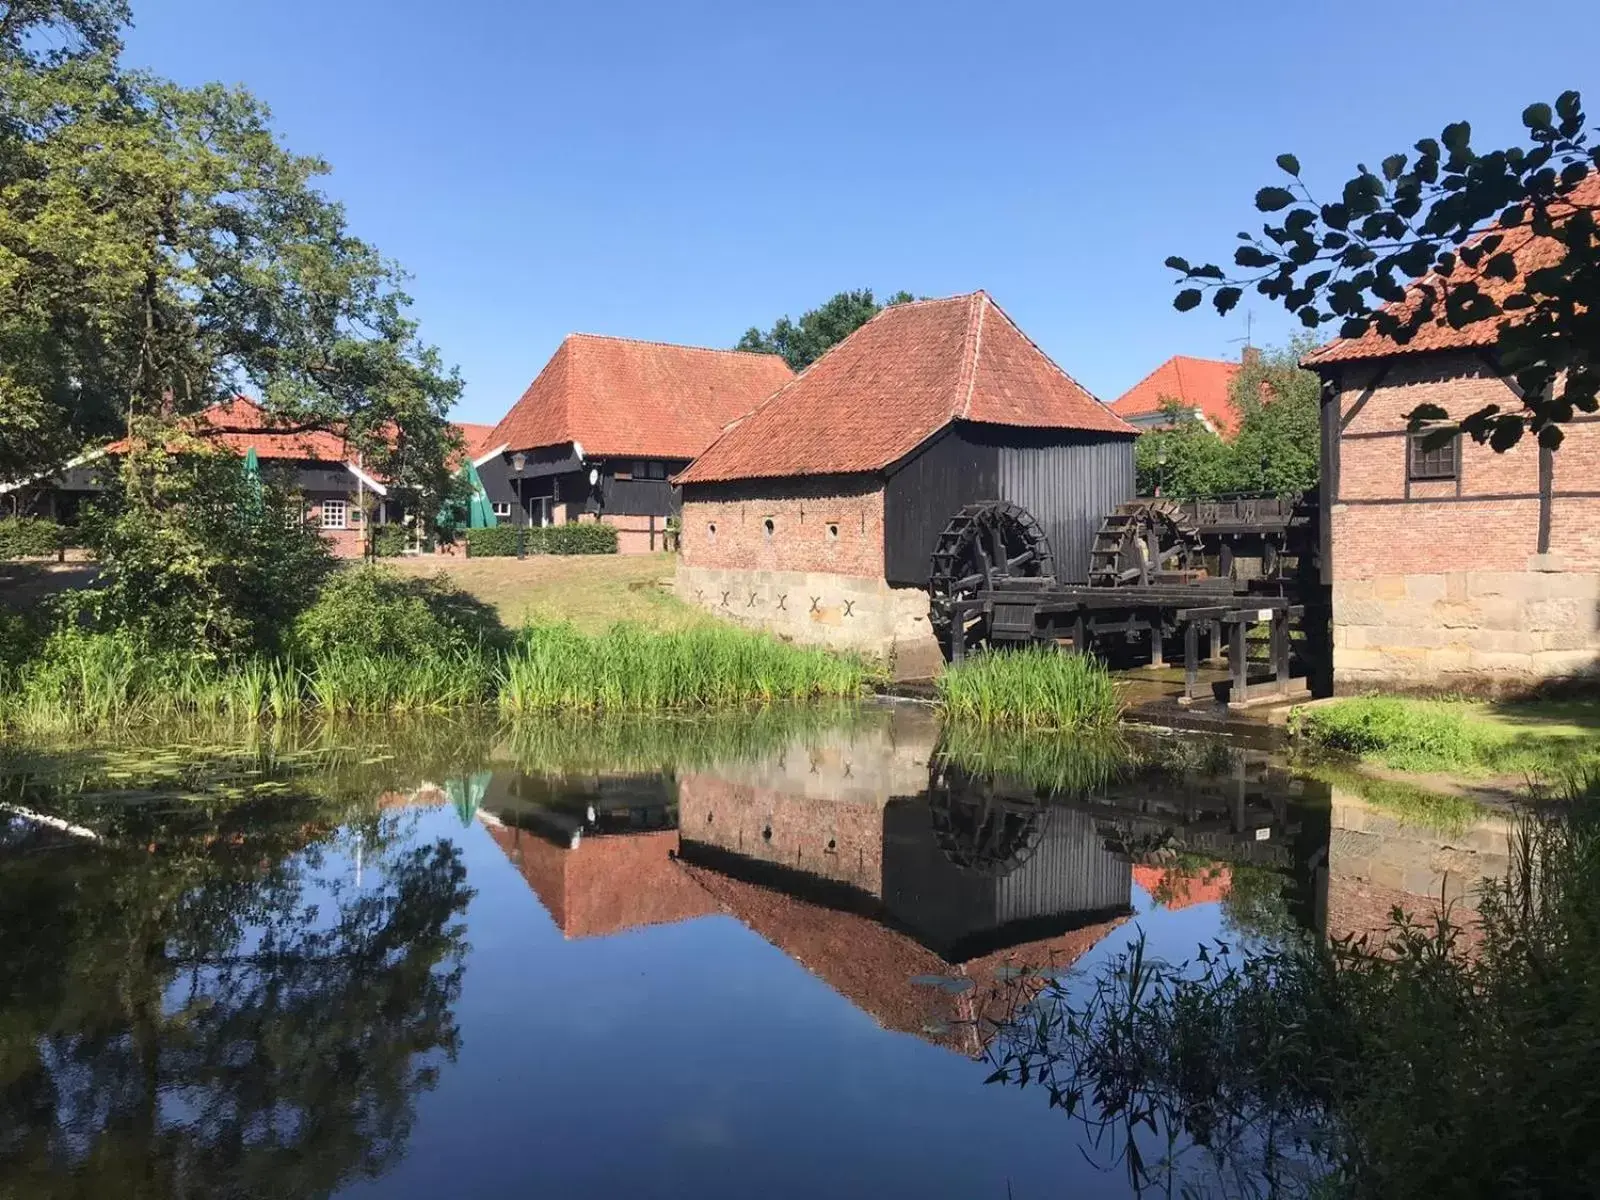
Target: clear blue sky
(681, 171)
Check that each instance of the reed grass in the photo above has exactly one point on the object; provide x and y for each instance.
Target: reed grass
(631, 669)
(1033, 688)
(95, 683)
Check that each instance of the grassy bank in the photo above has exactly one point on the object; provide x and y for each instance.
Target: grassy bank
(1453, 736)
(84, 683)
(1033, 688)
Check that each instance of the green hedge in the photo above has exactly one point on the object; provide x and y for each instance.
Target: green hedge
(29, 537)
(588, 537)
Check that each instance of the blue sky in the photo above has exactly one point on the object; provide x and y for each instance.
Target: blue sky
(681, 170)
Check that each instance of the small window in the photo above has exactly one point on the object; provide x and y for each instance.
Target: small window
(502, 508)
(658, 470)
(711, 531)
(335, 514)
(768, 528)
(1436, 462)
(833, 531)
(641, 470)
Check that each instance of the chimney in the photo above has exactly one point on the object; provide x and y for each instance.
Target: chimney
(1251, 356)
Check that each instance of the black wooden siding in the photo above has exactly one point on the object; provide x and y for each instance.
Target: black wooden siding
(1068, 480)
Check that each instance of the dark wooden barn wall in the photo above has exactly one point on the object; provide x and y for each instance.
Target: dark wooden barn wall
(1068, 481)
(1069, 487)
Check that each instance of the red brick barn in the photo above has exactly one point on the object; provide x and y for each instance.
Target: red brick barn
(816, 516)
(609, 420)
(1454, 568)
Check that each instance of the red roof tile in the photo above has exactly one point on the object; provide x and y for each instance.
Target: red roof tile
(475, 439)
(1531, 254)
(1172, 888)
(895, 382)
(1197, 383)
(242, 424)
(615, 396)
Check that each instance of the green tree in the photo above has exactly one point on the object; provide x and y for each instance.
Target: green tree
(1184, 459)
(1435, 235)
(160, 249)
(804, 341)
(1277, 447)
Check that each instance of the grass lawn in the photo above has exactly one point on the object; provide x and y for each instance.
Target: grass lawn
(1462, 736)
(593, 592)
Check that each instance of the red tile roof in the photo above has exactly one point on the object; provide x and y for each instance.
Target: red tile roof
(1530, 252)
(242, 424)
(475, 439)
(1172, 888)
(615, 396)
(1198, 383)
(895, 382)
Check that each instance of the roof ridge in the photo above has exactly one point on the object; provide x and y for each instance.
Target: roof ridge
(982, 302)
(634, 341)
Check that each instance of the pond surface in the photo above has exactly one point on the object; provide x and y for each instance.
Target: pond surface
(720, 959)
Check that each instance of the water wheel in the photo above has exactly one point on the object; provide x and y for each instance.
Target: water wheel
(1145, 542)
(980, 830)
(983, 546)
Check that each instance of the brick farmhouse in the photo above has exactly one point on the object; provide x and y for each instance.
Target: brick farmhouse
(339, 495)
(609, 420)
(1458, 567)
(816, 516)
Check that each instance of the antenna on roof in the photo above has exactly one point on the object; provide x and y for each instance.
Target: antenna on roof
(1249, 351)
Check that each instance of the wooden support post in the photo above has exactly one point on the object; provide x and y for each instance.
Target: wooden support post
(1157, 652)
(1280, 650)
(1080, 640)
(1214, 647)
(958, 635)
(1191, 660)
(1238, 663)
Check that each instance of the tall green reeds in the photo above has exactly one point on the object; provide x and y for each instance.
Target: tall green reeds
(94, 682)
(631, 669)
(1033, 688)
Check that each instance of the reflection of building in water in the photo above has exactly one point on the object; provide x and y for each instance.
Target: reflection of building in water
(1377, 863)
(596, 850)
(1174, 888)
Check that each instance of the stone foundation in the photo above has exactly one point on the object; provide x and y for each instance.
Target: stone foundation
(1494, 632)
(844, 612)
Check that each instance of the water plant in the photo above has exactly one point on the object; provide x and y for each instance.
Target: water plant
(1035, 688)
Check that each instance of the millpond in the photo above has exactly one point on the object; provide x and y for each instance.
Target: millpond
(772, 955)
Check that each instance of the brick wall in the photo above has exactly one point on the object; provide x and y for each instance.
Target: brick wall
(824, 523)
(1442, 583)
(349, 542)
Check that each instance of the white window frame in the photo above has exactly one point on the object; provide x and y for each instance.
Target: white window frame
(501, 508)
(342, 507)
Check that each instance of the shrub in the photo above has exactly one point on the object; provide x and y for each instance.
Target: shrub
(29, 537)
(371, 611)
(389, 541)
(1038, 687)
(197, 559)
(576, 537)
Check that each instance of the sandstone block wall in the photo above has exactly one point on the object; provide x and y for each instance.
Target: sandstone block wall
(1442, 584)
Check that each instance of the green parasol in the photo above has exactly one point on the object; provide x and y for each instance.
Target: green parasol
(252, 477)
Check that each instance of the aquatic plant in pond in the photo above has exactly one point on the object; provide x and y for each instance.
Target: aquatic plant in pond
(1049, 765)
(1448, 1058)
(633, 669)
(1036, 687)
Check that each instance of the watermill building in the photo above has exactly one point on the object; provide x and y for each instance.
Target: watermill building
(817, 515)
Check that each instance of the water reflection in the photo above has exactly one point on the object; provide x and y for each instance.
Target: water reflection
(247, 969)
(215, 1005)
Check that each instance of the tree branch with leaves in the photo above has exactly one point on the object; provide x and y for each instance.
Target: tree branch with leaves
(1502, 244)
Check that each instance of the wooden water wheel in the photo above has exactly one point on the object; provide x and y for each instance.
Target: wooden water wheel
(984, 546)
(1145, 542)
(981, 830)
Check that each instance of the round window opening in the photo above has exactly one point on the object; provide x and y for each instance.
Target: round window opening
(711, 531)
(833, 531)
(767, 528)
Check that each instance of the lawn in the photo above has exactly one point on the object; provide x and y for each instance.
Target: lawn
(1463, 736)
(593, 592)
